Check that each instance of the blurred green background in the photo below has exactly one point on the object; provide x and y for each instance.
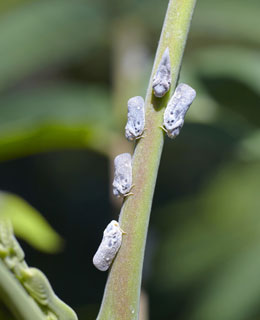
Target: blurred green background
(67, 69)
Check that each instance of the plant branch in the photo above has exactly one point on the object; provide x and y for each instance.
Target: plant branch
(122, 293)
(16, 298)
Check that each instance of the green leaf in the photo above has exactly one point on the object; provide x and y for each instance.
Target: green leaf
(58, 116)
(204, 108)
(214, 239)
(9, 5)
(222, 20)
(248, 148)
(228, 61)
(44, 33)
(29, 224)
(234, 293)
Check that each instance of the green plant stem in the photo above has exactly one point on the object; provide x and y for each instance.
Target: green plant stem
(16, 298)
(122, 292)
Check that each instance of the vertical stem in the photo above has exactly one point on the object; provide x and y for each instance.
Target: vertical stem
(128, 49)
(122, 293)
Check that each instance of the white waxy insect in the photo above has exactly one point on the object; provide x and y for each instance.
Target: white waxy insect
(177, 108)
(122, 183)
(135, 118)
(110, 244)
(162, 78)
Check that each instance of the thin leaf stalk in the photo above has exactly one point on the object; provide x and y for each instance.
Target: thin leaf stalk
(16, 298)
(122, 292)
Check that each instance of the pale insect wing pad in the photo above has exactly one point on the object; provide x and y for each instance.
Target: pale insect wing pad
(186, 93)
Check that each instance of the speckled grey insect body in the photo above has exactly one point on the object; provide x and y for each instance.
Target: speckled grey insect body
(162, 78)
(135, 118)
(110, 244)
(177, 108)
(122, 183)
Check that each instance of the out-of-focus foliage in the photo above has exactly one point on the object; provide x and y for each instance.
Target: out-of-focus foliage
(29, 224)
(4, 313)
(58, 116)
(44, 33)
(60, 67)
(217, 234)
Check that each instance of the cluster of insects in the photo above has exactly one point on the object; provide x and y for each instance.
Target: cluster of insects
(172, 123)
(33, 280)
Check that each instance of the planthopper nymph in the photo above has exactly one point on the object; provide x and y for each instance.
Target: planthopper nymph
(122, 183)
(177, 108)
(162, 78)
(135, 118)
(110, 244)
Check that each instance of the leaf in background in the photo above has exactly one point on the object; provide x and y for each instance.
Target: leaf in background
(226, 79)
(222, 20)
(204, 108)
(11, 4)
(233, 293)
(59, 116)
(248, 149)
(234, 62)
(44, 33)
(214, 239)
(29, 224)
